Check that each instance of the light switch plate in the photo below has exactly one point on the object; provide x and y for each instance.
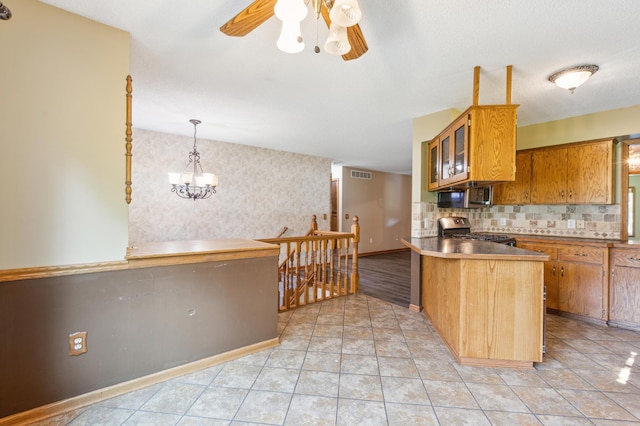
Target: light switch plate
(571, 224)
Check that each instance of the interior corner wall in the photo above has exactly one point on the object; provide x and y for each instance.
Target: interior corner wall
(260, 191)
(62, 117)
(383, 207)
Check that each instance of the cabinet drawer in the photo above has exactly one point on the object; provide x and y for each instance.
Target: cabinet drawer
(550, 250)
(629, 258)
(582, 254)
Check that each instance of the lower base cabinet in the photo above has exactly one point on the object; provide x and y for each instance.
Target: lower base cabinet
(575, 277)
(624, 296)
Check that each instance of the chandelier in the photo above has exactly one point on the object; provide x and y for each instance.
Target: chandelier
(5, 13)
(193, 183)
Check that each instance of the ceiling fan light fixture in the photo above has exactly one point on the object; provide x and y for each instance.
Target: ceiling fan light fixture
(572, 78)
(345, 13)
(290, 40)
(290, 10)
(337, 42)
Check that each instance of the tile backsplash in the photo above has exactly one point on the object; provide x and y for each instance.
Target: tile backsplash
(591, 221)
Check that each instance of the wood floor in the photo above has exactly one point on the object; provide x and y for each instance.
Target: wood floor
(387, 276)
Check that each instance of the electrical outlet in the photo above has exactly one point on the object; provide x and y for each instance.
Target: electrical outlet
(571, 224)
(580, 224)
(503, 221)
(77, 343)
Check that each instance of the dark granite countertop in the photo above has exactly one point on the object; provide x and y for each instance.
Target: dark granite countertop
(470, 249)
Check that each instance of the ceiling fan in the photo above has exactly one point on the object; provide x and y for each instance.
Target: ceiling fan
(259, 11)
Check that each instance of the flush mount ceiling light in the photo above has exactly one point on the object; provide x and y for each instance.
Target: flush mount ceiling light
(574, 77)
(193, 183)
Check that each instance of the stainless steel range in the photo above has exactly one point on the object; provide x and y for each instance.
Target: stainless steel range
(460, 227)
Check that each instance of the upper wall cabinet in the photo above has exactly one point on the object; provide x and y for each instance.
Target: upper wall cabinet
(578, 173)
(478, 148)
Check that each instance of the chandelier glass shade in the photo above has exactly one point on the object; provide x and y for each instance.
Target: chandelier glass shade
(572, 78)
(193, 183)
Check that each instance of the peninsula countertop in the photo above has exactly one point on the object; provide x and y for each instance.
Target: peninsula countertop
(454, 248)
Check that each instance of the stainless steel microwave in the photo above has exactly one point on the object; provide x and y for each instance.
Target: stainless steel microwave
(470, 198)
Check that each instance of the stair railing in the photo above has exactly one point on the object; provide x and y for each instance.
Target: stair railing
(318, 266)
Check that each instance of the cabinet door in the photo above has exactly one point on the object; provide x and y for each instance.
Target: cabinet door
(625, 295)
(432, 183)
(580, 290)
(461, 151)
(551, 275)
(444, 158)
(518, 191)
(549, 176)
(590, 173)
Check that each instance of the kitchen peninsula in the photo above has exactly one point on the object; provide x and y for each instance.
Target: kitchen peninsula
(484, 299)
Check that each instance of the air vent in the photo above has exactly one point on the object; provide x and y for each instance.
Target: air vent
(358, 174)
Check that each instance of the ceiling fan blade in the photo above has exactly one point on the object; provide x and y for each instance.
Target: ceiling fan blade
(354, 34)
(249, 18)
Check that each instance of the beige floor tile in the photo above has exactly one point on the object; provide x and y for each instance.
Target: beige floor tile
(449, 394)
(404, 390)
(545, 401)
(564, 379)
(353, 412)
(237, 376)
(408, 414)
(219, 403)
(359, 364)
(360, 386)
(325, 344)
(479, 374)
(358, 347)
(461, 416)
(596, 404)
(549, 420)
(361, 333)
(397, 367)
(322, 361)
(392, 348)
(277, 379)
(320, 383)
(143, 418)
(430, 369)
(102, 415)
(285, 358)
(501, 418)
(264, 407)
(522, 378)
(608, 380)
(312, 410)
(174, 398)
(392, 334)
(497, 397)
(628, 401)
(327, 330)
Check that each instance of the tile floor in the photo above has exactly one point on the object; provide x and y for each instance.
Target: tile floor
(361, 361)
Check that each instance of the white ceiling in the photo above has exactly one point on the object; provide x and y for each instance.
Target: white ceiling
(359, 113)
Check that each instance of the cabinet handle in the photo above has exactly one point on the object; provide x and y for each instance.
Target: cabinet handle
(562, 271)
(526, 195)
(580, 254)
(562, 194)
(554, 271)
(633, 259)
(570, 193)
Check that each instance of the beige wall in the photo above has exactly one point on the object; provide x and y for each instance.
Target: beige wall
(260, 191)
(62, 149)
(383, 207)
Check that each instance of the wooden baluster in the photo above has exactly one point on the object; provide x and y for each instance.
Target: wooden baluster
(287, 281)
(314, 226)
(355, 275)
(300, 282)
(127, 146)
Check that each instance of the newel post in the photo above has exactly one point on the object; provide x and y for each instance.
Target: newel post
(314, 225)
(355, 275)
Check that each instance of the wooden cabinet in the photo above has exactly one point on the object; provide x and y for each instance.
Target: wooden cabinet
(624, 288)
(575, 277)
(478, 148)
(518, 191)
(551, 273)
(434, 166)
(579, 173)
